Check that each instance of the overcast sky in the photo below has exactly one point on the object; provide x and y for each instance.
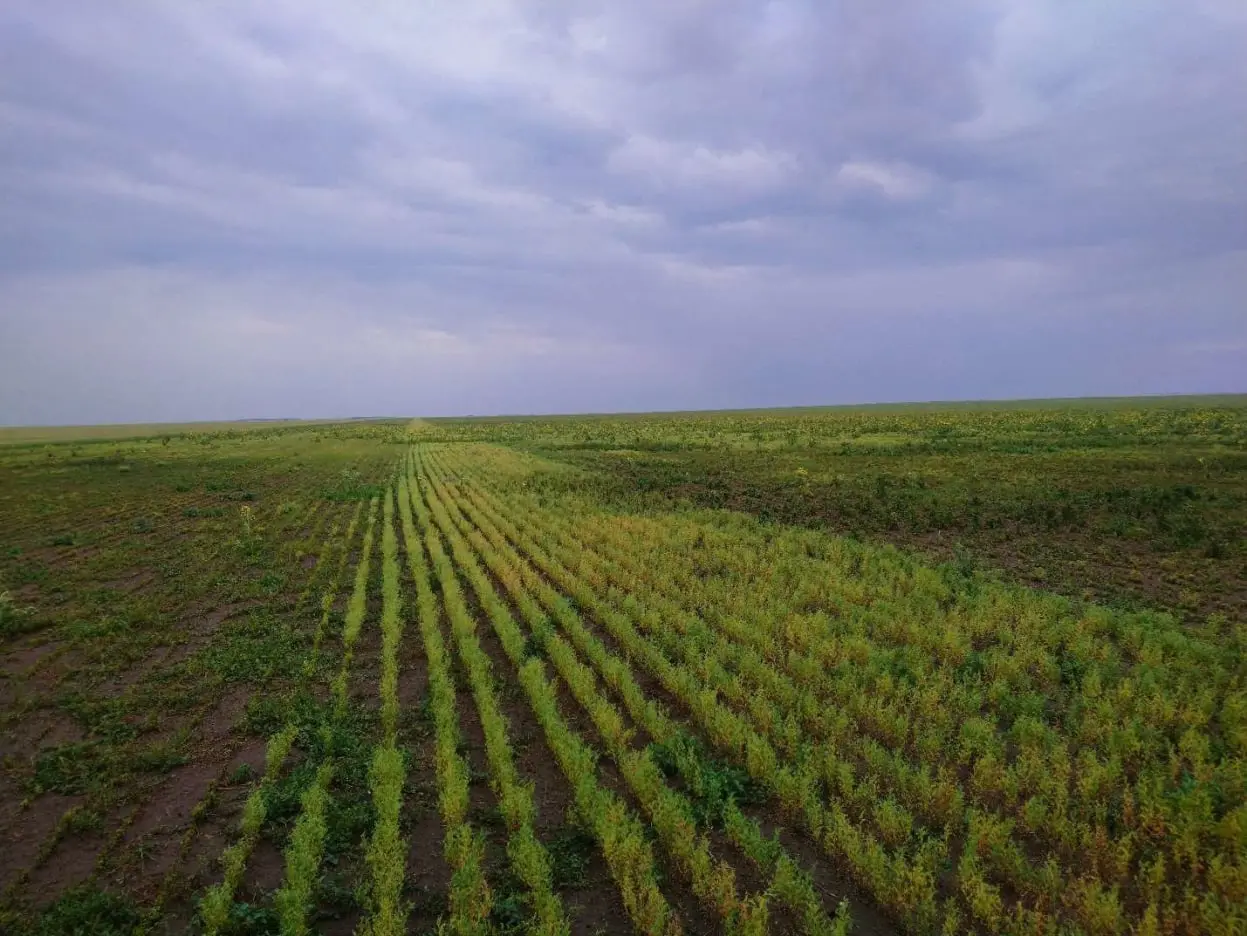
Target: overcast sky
(312, 208)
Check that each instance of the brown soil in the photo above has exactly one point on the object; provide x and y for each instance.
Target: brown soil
(171, 807)
(21, 660)
(27, 831)
(265, 868)
(71, 864)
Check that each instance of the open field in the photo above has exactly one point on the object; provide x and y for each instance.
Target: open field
(816, 672)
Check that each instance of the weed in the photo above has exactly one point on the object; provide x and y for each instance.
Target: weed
(88, 911)
(160, 757)
(351, 486)
(250, 920)
(571, 848)
(13, 619)
(79, 820)
(70, 768)
(243, 773)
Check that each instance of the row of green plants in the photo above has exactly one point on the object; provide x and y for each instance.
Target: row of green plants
(992, 841)
(330, 594)
(385, 855)
(904, 882)
(619, 833)
(528, 857)
(712, 880)
(716, 805)
(470, 897)
(216, 904)
(305, 849)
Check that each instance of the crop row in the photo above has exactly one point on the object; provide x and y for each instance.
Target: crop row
(797, 685)
(549, 609)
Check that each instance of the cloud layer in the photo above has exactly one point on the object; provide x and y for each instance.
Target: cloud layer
(319, 208)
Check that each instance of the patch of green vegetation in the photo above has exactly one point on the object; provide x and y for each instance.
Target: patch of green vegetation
(114, 719)
(351, 486)
(160, 757)
(247, 919)
(570, 849)
(511, 912)
(348, 736)
(80, 820)
(253, 649)
(88, 911)
(14, 619)
(711, 784)
(70, 769)
(203, 512)
(271, 583)
(243, 773)
(94, 765)
(90, 628)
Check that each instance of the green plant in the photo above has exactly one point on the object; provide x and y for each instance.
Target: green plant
(13, 619)
(243, 773)
(88, 911)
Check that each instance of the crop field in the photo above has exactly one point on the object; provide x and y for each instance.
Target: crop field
(977, 670)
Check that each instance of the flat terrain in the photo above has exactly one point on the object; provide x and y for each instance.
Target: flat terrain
(975, 669)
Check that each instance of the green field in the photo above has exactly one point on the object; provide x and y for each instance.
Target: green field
(973, 668)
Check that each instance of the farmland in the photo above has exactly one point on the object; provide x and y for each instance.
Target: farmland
(936, 670)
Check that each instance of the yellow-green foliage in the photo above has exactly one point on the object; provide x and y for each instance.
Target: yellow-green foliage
(357, 605)
(386, 856)
(470, 896)
(528, 857)
(303, 855)
(929, 707)
(216, 903)
(627, 853)
(790, 885)
(386, 853)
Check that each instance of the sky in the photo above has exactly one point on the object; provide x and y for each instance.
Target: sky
(321, 208)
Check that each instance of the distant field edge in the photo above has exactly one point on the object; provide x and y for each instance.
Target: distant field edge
(1176, 400)
(108, 431)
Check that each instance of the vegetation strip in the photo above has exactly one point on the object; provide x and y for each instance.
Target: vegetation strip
(903, 883)
(293, 900)
(385, 848)
(789, 883)
(624, 846)
(470, 897)
(528, 856)
(216, 903)
(989, 845)
(712, 881)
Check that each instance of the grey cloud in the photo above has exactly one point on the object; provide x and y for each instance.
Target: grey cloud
(616, 206)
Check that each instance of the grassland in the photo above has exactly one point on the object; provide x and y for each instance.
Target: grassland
(970, 670)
